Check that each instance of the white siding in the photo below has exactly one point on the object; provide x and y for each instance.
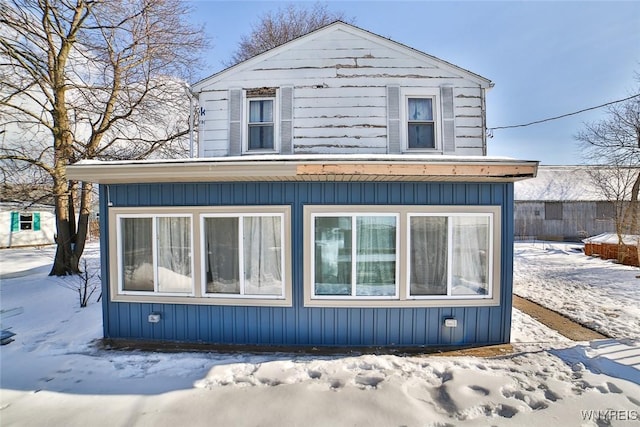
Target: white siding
(339, 81)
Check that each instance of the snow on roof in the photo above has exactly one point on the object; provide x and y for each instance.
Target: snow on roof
(364, 167)
(264, 158)
(559, 183)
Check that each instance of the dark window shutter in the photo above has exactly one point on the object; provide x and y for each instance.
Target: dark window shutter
(36, 221)
(15, 221)
(448, 120)
(393, 120)
(286, 120)
(235, 122)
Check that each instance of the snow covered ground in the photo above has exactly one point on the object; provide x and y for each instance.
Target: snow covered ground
(600, 294)
(52, 374)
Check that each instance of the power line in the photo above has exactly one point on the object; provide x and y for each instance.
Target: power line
(490, 130)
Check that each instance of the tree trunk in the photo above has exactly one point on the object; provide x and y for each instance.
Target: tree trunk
(65, 262)
(83, 219)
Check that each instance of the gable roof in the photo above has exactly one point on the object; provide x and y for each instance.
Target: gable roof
(342, 26)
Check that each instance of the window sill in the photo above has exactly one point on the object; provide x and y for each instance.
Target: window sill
(405, 303)
(192, 300)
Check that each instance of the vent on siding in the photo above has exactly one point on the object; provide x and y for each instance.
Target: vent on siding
(448, 120)
(235, 122)
(286, 120)
(393, 119)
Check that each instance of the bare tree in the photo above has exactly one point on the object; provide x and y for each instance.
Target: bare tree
(614, 142)
(91, 79)
(283, 25)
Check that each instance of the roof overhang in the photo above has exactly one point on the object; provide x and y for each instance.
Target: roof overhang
(354, 168)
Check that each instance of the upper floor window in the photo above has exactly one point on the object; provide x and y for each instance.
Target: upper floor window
(421, 132)
(260, 123)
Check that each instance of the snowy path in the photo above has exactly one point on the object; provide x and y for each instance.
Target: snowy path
(597, 293)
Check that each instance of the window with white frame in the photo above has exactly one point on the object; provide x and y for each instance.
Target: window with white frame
(155, 254)
(402, 255)
(237, 255)
(421, 126)
(355, 255)
(449, 255)
(243, 255)
(260, 132)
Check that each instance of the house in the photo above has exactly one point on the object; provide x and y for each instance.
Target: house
(341, 197)
(26, 226)
(562, 203)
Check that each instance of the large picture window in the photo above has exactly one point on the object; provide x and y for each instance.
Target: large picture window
(449, 255)
(155, 254)
(239, 255)
(355, 255)
(243, 255)
(402, 255)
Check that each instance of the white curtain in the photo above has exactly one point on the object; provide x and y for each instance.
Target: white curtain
(428, 255)
(174, 254)
(470, 270)
(376, 255)
(262, 255)
(222, 258)
(420, 109)
(261, 111)
(137, 254)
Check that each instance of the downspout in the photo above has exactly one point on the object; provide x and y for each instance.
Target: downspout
(191, 107)
(483, 107)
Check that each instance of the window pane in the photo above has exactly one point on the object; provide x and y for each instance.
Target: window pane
(221, 258)
(420, 110)
(605, 210)
(137, 254)
(470, 266)
(428, 255)
(553, 210)
(260, 137)
(261, 111)
(174, 254)
(262, 256)
(376, 256)
(332, 256)
(421, 135)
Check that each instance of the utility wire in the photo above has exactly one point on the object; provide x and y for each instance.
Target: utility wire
(490, 130)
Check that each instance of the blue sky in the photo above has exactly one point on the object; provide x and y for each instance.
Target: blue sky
(545, 58)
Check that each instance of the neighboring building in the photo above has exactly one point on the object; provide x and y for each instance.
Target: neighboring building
(32, 226)
(342, 198)
(561, 203)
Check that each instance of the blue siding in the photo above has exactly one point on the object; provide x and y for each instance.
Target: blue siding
(298, 325)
